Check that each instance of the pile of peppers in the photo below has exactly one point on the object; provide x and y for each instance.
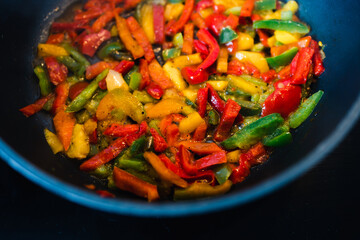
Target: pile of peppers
(175, 99)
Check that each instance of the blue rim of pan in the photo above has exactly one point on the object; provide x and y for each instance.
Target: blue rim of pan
(186, 208)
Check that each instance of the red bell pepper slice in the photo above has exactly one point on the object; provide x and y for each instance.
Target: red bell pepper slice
(154, 90)
(201, 48)
(247, 8)
(160, 144)
(61, 95)
(201, 148)
(172, 134)
(89, 14)
(215, 23)
(227, 119)
(57, 71)
(72, 26)
(128, 182)
(231, 21)
(140, 36)
(263, 37)
(201, 100)
(76, 89)
(268, 76)
(283, 100)
(159, 23)
(124, 67)
(200, 132)
(303, 61)
(36, 106)
(257, 154)
(104, 19)
(158, 75)
(188, 38)
(55, 38)
(184, 18)
(143, 128)
(93, 137)
(105, 155)
(285, 72)
(144, 71)
(120, 130)
(186, 161)
(91, 42)
(64, 124)
(240, 172)
(236, 67)
(215, 101)
(203, 4)
(199, 75)
(211, 160)
(219, 8)
(317, 59)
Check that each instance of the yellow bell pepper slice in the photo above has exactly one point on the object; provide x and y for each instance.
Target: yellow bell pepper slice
(229, 3)
(244, 85)
(53, 141)
(175, 75)
(190, 94)
(190, 123)
(173, 11)
(257, 59)
(204, 13)
(80, 146)
(245, 41)
(165, 107)
(218, 85)
(286, 37)
(147, 22)
(222, 61)
(45, 50)
(291, 6)
(233, 157)
(187, 60)
(271, 41)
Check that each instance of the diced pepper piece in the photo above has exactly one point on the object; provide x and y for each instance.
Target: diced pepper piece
(253, 132)
(215, 22)
(164, 108)
(154, 90)
(64, 124)
(123, 100)
(227, 35)
(158, 75)
(201, 190)
(244, 41)
(222, 173)
(119, 130)
(282, 59)
(305, 109)
(79, 102)
(190, 123)
(141, 38)
(125, 36)
(302, 63)
(36, 106)
(201, 100)
(201, 148)
(222, 61)
(227, 119)
(57, 72)
(44, 82)
(159, 23)
(45, 50)
(55, 38)
(91, 42)
(160, 144)
(184, 18)
(53, 141)
(317, 59)
(200, 132)
(282, 25)
(215, 101)
(247, 8)
(127, 182)
(198, 20)
(171, 53)
(188, 38)
(163, 171)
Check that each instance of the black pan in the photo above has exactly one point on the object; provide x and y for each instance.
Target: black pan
(23, 25)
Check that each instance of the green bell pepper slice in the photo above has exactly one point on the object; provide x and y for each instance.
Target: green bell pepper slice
(109, 48)
(254, 132)
(283, 59)
(79, 102)
(282, 25)
(305, 109)
(138, 146)
(222, 172)
(44, 82)
(127, 76)
(171, 53)
(227, 35)
(178, 40)
(214, 118)
(280, 137)
(135, 79)
(265, 5)
(248, 108)
(201, 190)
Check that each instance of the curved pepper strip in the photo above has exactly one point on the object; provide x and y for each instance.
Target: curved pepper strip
(127, 182)
(317, 59)
(301, 64)
(119, 130)
(35, 107)
(184, 18)
(195, 76)
(160, 144)
(201, 100)
(61, 95)
(201, 190)
(91, 42)
(201, 148)
(215, 101)
(57, 71)
(231, 111)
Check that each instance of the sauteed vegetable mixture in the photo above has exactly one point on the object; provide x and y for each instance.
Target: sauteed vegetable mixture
(176, 99)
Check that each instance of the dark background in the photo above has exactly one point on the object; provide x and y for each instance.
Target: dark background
(322, 204)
